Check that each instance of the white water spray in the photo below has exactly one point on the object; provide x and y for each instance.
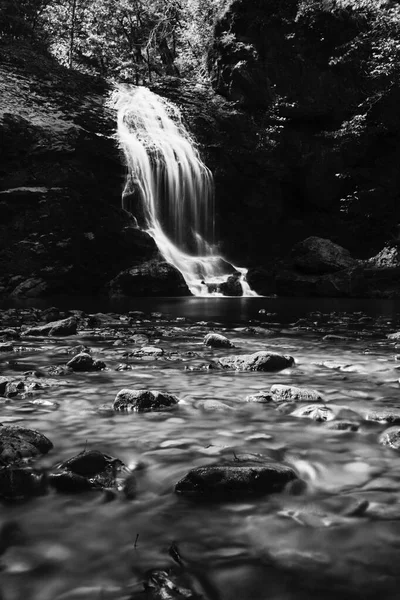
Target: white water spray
(169, 184)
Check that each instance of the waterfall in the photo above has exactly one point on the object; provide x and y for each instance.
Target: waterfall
(169, 189)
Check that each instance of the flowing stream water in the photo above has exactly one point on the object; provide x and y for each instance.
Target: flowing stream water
(279, 547)
(173, 189)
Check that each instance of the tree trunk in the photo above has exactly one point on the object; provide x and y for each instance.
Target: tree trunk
(72, 34)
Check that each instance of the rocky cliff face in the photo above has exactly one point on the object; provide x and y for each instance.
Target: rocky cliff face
(318, 145)
(61, 176)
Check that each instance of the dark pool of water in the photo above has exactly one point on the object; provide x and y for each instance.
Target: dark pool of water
(281, 547)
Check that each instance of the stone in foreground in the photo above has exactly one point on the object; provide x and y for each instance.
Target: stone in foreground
(285, 393)
(230, 481)
(316, 412)
(18, 443)
(391, 437)
(384, 416)
(84, 362)
(216, 340)
(143, 400)
(57, 328)
(259, 361)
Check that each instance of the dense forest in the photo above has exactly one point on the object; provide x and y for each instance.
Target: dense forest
(137, 40)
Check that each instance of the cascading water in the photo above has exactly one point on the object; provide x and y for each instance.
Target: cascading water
(171, 187)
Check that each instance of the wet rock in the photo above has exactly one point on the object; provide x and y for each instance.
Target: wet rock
(6, 347)
(152, 278)
(150, 351)
(166, 585)
(70, 483)
(143, 400)
(9, 333)
(395, 337)
(85, 362)
(316, 255)
(215, 340)
(21, 483)
(384, 416)
(17, 443)
(63, 327)
(230, 481)
(343, 425)
(316, 412)
(232, 286)
(58, 370)
(259, 361)
(285, 393)
(4, 381)
(260, 397)
(214, 406)
(391, 437)
(88, 470)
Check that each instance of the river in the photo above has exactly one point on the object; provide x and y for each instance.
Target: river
(278, 547)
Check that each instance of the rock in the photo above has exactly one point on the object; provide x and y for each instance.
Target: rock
(395, 337)
(230, 481)
(85, 362)
(4, 381)
(316, 255)
(153, 278)
(317, 412)
(150, 351)
(143, 400)
(86, 471)
(33, 287)
(285, 393)
(18, 443)
(232, 286)
(21, 483)
(391, 437)
(384, 416)
(214, 406)
(259, 361)
(343, 425)
(260, 397)
(215, 340)
(262, 281)
(63, 327)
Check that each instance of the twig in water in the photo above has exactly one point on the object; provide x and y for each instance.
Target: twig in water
(136, 540)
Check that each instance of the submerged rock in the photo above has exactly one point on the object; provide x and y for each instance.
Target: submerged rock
(85, 362)
(259, 361)
(391, 437)
(285, 393)
(63, 327)
(384, 416)
(343, 425)
(316, 412)
(216, 340)
(229, 481)
(143, 400)
(18, 443)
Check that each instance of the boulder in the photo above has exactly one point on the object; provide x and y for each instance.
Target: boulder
(143, 400)
(232, 286)
(316, 255)
(259, 361)
(60, 328)
(215, 340)
(286, 393)
(231, 481)
(316, 412)
(384, 416)
(84, 362)
(152, 278)
(391, 437)
(34, 287)
(18, 443)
